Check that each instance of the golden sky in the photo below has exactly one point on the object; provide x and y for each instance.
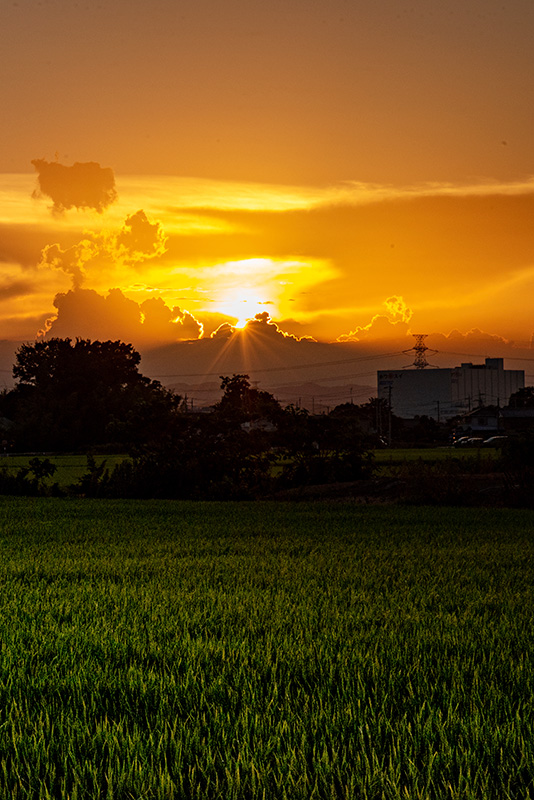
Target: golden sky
(356, 170)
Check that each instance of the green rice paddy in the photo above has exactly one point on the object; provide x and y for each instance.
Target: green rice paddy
(259, 650)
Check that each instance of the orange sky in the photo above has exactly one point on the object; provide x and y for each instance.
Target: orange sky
(354, 169)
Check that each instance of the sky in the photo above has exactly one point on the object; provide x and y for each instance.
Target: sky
(350, 171)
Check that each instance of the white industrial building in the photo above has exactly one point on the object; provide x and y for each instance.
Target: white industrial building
(444, 393)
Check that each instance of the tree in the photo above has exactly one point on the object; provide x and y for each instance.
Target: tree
(77, 366)
(523, 398)
(77, 395)
(242, 402)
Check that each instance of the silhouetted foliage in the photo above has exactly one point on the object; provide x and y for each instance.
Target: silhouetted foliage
(82, 394)
(29, 481)
(242, 402)
(523, 398)
(87, 395)
(196, 459)
(423, 430)
(230, 453)
(322, 449)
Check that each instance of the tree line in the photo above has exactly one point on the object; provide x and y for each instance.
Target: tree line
(89, 396)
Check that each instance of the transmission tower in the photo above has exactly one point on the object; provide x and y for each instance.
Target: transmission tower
(420, 349)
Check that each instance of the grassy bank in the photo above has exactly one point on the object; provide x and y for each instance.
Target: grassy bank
(204, 650)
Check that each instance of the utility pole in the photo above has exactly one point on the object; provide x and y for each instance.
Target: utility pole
(438, 410)
(389, 416)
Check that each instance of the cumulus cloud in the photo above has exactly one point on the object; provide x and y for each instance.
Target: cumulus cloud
(88, 314)
(391, 325)
(81, 186)
(137, 241)
(158, 319)
(475, 336)
(261, 325)
(72, 260)
(224, 331)
(397, 309)
(140, 239)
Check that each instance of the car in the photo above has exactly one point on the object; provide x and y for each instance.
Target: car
(461, 442)
(495, 441)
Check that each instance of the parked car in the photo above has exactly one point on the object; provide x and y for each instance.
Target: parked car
(495, 441)
(462, 441)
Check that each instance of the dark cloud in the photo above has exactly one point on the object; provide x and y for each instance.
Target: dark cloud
(224, 331)
(263, 324)
(473, 337)
(140, 238)
(82, 186)
(302, 330)
(90, 315)
(260, 327)
(15, 289)
(159, 320)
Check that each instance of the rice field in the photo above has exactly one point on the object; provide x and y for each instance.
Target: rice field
(71, 467)
(156, 649)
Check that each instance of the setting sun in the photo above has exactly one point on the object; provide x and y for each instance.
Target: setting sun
(243, 304)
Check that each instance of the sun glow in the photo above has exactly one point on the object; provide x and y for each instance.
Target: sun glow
(243, 304)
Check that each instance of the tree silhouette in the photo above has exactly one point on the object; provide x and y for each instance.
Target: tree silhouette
(77, 395)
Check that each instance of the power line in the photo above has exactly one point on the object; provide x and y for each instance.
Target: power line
(288, 368)
(480, 355)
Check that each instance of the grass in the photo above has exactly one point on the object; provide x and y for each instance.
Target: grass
(69, 467)
(433, 455)
(204, 650)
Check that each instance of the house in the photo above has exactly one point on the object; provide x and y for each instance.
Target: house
(482, 421)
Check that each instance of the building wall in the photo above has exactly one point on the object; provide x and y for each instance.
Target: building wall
(444, 393)
(416, 392)
(484, 384)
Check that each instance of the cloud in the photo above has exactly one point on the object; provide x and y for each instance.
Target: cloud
(88, 314)
(72, 260)
(475, 334)
(13, 289)
(140, 239)
(263, 325)
(20, 244)
(440, 248)
(224, 331)
(82, 186)
(383, 326)
(137, 241)
(474, 337)
(158, 320)
(396, 307)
